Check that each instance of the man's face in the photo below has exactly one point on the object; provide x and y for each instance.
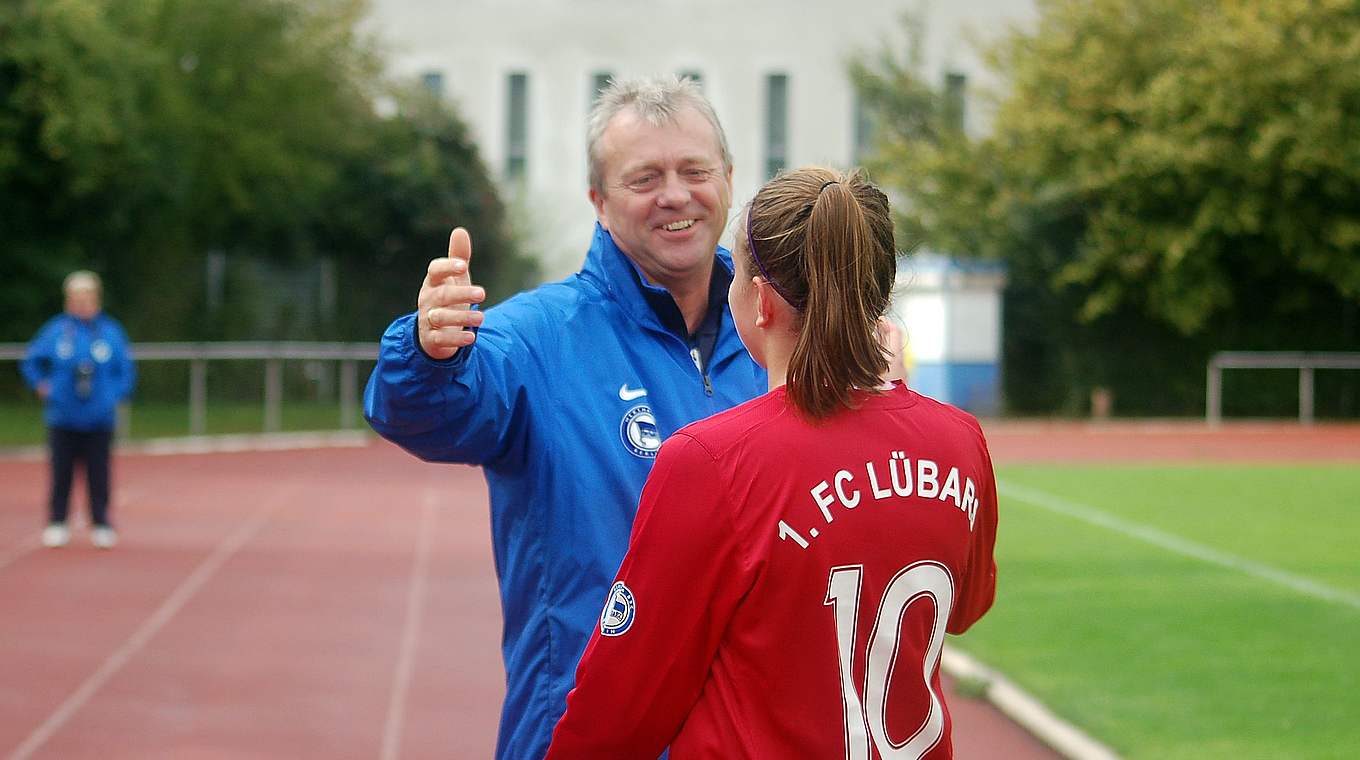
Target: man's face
(665, 195)
(82, 303)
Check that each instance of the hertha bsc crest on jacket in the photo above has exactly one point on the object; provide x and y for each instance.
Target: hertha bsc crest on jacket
(617, 617)
(639, 432)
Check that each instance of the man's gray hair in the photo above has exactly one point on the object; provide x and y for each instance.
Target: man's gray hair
(656, 100)
(82, 279)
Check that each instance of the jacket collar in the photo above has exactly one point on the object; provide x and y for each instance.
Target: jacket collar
(90, 323)
(616, 274)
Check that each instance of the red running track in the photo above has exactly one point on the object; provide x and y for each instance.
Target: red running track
(325, 603)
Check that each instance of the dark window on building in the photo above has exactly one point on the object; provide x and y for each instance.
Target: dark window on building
(776, 124)
(955, 90)
(517, 126)
(598, 82)
(434, 82)
(864, 130)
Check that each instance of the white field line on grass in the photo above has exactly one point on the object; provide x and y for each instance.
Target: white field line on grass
(153, 625)
(1178, 545)
(410, 636)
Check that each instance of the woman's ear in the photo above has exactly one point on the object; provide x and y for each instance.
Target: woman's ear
(764, 311)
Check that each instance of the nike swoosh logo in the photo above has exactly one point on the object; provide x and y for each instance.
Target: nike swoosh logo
(630, 394)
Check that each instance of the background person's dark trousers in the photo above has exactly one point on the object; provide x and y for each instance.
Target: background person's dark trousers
(92, 448)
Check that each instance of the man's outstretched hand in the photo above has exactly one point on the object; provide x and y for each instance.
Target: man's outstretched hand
(443, 309)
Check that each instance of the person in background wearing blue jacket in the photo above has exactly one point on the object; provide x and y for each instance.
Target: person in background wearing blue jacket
(80, 365)
(564, 393)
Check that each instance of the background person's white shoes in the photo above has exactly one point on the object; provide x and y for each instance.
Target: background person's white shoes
(104, 537)
(55, 536)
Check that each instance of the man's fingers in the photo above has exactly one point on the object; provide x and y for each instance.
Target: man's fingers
(442, 269)
(455, 265)
(439, 319)
(889, 334)
(436, 342)
(460, 246)
(449, 294)
(444, 300)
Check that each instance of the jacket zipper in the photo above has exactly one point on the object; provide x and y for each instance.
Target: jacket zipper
(699, 365)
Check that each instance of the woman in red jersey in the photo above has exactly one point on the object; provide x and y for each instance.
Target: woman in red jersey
(797, 560)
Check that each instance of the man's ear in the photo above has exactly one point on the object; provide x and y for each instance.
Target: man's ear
(597, 200)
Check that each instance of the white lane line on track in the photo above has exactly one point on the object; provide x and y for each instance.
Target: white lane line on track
(1178, 545)
(410, 635)
(19, 549)
(212, 444)
(184, 592)
(1026, 711)
(34, 541)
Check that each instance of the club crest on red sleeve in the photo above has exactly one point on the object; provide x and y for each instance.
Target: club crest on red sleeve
(619, 611)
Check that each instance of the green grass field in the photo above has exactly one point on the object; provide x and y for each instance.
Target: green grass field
(1184, 612)
(22, 425)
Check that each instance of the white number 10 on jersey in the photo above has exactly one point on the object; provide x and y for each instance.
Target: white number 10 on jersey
(928, 582)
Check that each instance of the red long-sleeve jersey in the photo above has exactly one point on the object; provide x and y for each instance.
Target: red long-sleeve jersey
(788, 586)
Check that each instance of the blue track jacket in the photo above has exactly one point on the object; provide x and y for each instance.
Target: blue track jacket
(563, 400)
(87, 365)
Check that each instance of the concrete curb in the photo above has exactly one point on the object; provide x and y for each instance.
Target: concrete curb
(1025, 710)
(218, 444)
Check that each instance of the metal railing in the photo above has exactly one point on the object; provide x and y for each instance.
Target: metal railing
(273, 354)
(1305, 363)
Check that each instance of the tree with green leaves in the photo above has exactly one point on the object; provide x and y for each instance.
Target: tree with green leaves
(418, 176)
(1164, 179)
(137, 137)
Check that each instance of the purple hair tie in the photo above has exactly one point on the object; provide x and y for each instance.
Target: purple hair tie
(751, 244)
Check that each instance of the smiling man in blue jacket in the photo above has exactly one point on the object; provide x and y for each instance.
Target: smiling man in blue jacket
(563, 394)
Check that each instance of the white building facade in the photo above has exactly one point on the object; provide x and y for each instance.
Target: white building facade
(523, 73)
